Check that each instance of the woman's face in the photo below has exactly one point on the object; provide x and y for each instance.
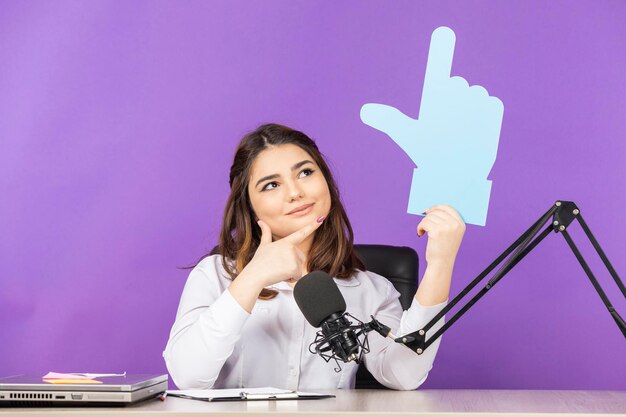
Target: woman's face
(287, 189)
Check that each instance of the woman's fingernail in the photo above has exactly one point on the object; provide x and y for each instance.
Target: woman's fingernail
(321, 219)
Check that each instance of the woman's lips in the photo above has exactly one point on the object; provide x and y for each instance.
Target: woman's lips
(301, 211)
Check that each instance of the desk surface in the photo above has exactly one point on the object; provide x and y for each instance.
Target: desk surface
(355, 403)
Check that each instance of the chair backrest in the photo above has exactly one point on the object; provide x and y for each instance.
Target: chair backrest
(400, 265)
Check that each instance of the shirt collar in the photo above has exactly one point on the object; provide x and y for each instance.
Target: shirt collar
(342, 282)
(347, 282)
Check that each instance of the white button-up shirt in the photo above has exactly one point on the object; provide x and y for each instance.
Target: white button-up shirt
(215, 343)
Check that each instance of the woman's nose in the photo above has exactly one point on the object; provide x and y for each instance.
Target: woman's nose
(295, 192)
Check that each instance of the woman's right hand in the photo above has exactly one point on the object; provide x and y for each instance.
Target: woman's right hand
(279, 260)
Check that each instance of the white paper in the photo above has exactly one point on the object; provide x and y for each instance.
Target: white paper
(99, 375)
(77, 375)
(236, 392)
(226, 393)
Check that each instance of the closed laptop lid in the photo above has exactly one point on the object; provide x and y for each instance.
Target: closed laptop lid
(128, 383)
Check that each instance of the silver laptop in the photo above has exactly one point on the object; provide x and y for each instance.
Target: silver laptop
(32, 391)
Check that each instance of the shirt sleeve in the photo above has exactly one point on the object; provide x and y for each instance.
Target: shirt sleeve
(393, 364)
(207, 327)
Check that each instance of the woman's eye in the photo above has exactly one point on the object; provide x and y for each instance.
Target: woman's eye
(306, 172)
(269, 186)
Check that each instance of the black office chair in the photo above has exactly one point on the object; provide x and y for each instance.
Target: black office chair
(400, 265)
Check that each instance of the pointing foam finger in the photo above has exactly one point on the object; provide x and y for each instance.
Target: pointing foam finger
(440, 54)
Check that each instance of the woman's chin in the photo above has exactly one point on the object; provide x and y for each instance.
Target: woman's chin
(292, 224)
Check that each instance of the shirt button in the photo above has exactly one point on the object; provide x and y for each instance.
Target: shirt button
(293, 372)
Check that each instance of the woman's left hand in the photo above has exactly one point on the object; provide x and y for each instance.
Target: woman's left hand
(445, 230)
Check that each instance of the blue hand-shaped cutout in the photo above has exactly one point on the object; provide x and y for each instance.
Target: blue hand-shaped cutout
(454, 141)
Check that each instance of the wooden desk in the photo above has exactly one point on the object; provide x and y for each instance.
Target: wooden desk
(357, 403)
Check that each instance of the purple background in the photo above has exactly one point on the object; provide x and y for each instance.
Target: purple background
(118, 122)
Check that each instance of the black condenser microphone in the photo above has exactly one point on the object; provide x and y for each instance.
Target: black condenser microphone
(322, 304)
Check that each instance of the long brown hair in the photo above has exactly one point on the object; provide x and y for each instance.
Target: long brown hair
(332, 247)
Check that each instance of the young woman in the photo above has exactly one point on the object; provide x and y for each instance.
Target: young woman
(238, 324)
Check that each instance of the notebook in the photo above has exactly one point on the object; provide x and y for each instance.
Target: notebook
(32, 391)
(246, 394)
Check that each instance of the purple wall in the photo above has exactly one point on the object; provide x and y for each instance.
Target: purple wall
(118, 122)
